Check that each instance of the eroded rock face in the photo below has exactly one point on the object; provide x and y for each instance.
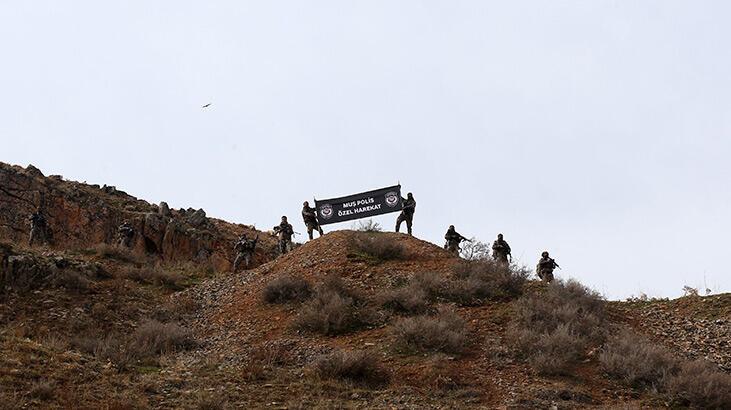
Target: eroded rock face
(82, 216)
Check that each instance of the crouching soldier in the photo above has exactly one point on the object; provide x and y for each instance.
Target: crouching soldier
(284, 232)
(453, 239)
(310, 218)
(244, 248)
(125, 233)
(545, 267)
(38, 229)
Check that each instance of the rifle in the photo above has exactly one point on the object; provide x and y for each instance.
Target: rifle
(554, 262)
(465, 239)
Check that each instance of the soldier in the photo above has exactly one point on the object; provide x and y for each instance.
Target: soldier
(310, 218)
(501, 250)
(284, 231)
(453, 240)
(545, 267)
(244, 248)
(125, 233)
(407, 213)
(38, 229)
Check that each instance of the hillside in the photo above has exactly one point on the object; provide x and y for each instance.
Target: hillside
(348, 320)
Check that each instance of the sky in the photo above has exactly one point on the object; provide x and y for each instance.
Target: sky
(597, 130)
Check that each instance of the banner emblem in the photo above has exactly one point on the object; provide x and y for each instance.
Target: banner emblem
(392, 199)
(326, 211)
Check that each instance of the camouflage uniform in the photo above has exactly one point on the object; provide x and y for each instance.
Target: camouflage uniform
(244, 249)
(310, 218)
(284, 231)
(453, 239)
(38, 229)
(545, 267)
(407, 213)
(500, 250)
(125, 233)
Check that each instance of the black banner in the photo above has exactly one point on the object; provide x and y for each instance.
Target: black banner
(363, 205)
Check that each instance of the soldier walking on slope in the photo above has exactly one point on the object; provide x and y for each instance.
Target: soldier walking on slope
(310, 218)
(125, 233)
(453, 240)
(407, 212)
(38, 229)
(545, 267)
(244, 248)
(284, 231)
(501, 250)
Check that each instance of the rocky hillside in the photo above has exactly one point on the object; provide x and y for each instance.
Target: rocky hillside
(83, 216)
(348, 320)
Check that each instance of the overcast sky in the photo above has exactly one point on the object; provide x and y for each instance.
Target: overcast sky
(598, 130)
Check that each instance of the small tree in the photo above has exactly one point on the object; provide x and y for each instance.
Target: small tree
(475, 250)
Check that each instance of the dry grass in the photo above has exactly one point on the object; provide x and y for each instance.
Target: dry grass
(71, 280)
(357, 367)
(208, 401)
(636, 361)
(555, 329)
(701, 385)
(287, 288)
(43, 390)
(334, 309)
(411, 299)
(117, 253)
(154, 276)
(445, 332)
(489, 279)
(376, 247)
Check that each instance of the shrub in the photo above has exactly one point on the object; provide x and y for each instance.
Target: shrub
(553, 330)
(154, 276)
(43, 389)
(376, 248)
(636, 361)
(445, 332)
(71, 280)
(208, 401)
(494, 279)
(286, 289)
(155, 338)
(354, 366)
(334, 309)
(475, 250)
(700, 384)
(409, 299)
(115, 252)
(367, 226)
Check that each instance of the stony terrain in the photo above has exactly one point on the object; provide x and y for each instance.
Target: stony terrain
(85, 324)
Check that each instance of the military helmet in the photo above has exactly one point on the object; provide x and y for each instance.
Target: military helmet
(451, 227)
(544, 254)
(500, 236)
(306, 203)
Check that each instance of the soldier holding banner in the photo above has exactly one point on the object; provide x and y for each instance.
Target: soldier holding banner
(407, 212)
(310, 218)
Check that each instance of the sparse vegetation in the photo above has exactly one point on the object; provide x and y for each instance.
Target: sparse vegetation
(117, 253)
(445, 332)
(367, 226)
(43, 390)
(154, 276)
(410, 299)
(357, 367)
(71, 280)
(636, 361)
(376, 247)
(287, 288)
(475, 250)
(333, 309)
(700, 384)
(554, 330)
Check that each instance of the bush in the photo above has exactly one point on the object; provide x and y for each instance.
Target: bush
(334, 309)
(475, 250)
(286, 289)
(354, 366)
(700, 384)
(115, 252)
(71, 280)
(493, 279)
(154, 276)
(155, 338)
(555, 329)
(445, 332)
(636, 361)
(376, 248)
(43, 390)
(367, 226)
(409, 299)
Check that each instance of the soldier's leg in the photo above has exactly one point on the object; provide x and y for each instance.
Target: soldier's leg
(32, 237)
(398, 221)
(236, 263)
(319, 229)
(309, 231)
(247, 260)
(282, 246)
(409, 223)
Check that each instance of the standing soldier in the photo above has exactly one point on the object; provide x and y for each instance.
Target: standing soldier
(407, 212)
(545, 267)
(38, 229)
(501, 250)
(310, 218)
(284, 231)
(244, 249)
(453, 240)
(125, 234)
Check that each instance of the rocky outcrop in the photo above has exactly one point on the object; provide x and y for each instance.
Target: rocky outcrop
(81, 216)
